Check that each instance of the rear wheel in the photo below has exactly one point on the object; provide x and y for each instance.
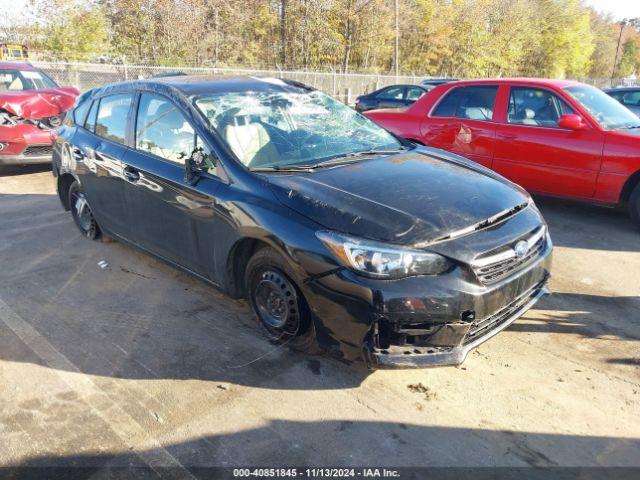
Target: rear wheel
(81, 212)
(277, 302)
(634, 205)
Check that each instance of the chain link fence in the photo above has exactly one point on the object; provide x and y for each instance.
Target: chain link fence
(345, 87)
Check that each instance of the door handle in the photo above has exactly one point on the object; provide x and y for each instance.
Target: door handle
(78, 154)
(507, 136)
(131, 174)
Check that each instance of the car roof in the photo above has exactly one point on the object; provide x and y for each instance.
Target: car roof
(396, 85)
(16, 66)
(190, 85)
(622, 89)
(437, 81)
(543, 82)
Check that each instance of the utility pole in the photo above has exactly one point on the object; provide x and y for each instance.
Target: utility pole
(283, 33)
(623, 24)
(396, 63)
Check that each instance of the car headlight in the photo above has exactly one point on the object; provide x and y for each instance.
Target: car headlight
(381, 260)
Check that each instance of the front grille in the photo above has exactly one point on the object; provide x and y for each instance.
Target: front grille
(37, 150)
(482, 327)
(499, 265)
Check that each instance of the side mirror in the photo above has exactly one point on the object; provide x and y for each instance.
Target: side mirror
(571, 122)
(194, 164)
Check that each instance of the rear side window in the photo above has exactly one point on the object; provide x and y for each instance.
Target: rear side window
(112, 117)
(474, 103)
(162, 129)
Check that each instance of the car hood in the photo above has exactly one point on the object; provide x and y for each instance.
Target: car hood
(409, 198)
(36, 104)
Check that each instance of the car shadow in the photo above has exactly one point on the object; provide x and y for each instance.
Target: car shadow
(281, 443)
(15, 170)
(584, 315)
(136, 318)
(591, 227)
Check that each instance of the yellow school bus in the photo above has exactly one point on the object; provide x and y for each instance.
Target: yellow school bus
(14, 52)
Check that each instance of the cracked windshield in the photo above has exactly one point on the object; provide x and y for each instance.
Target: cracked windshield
(282, 129)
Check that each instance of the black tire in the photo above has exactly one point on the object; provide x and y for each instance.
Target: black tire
(634, 206)
(81, 212)
(278, 303)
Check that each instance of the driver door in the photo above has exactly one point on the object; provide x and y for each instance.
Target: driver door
(533, 151)
(170, 214)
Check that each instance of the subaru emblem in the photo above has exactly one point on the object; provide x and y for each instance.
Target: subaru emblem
(521, 248)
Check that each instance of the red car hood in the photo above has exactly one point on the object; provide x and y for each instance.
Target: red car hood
(38, 103)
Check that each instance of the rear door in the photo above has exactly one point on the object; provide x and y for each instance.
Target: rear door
(101, 146)
(171, 216)
(462, 123)
(533, 151)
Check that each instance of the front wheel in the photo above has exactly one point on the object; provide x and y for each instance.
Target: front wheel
(634, 206)
(277, 302)
(81, 212)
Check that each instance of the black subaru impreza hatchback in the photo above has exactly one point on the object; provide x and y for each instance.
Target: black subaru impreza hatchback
(343, 237)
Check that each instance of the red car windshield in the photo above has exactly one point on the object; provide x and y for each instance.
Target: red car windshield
(609, 113)
(19, 80)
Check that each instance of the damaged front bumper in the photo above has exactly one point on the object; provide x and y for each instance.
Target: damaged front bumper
(24, 144)
(422, 321)
(449, 344)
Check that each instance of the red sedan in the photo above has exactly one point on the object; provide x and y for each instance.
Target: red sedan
(553, 137)
(31, 106)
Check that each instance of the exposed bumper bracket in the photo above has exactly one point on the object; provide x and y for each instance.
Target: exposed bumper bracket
(415, 357)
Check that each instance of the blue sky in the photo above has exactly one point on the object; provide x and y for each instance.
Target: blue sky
(618, 8)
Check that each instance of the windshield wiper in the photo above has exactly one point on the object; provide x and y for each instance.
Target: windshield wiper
(353, 157)
(333, 161)
(629, 127)
(284, 168)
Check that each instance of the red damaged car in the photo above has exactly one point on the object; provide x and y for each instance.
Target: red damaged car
(553, 137)
(31, 106)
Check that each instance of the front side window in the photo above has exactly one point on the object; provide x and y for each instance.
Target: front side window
(80, 112)
(608, 112)
(632, 98)
(473, 103)
(163, 130)
(111, 122)
(285, 126)
(90, 122)
(18, 80)
(536, 106)
(395, 93)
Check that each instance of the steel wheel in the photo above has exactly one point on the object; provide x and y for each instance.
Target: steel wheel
(276, 303)
(81, 212)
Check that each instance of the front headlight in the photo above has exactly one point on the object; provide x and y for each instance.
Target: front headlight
(381, 260)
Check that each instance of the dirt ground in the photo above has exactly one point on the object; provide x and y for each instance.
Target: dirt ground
(140, 364)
